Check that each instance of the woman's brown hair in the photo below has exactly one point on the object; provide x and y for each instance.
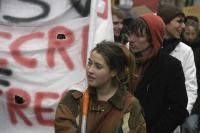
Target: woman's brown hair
(118, 58)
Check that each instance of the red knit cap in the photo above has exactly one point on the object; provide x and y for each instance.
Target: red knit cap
(156, 27)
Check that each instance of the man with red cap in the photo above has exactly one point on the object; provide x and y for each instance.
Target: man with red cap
(159, 81)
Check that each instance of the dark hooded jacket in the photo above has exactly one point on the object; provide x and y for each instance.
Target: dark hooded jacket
(161, 89)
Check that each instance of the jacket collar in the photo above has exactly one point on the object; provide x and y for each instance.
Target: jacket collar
(151, 71)
(116, 100)
(170, 44)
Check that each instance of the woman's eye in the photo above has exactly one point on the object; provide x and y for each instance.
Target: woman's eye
(89, 62)
(180, 21)
(98, 66)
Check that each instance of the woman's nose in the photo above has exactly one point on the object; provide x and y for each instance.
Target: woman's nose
(90, 68)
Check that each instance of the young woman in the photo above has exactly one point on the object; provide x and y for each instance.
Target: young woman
(111, 108)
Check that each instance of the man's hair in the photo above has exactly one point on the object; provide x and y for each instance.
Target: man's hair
(169, 12)
(192, 21)
(140, 28)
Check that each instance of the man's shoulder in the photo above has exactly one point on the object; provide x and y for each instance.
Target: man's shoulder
(183, 47)
(170, 64)
(166, 58)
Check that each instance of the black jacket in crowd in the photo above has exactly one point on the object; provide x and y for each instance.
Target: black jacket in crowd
(196, 49)
(196, 107)
(162, 94)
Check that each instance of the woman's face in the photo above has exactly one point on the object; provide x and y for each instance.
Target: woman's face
(190, 34)
(117, 25)
(175, 27)
(98, 72)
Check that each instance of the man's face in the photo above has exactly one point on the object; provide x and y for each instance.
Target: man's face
(175, 27)
(117, 25)
(137, 43)
(190, 34)
(139, 46)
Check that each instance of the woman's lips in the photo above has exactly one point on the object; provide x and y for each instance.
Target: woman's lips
(90, 78)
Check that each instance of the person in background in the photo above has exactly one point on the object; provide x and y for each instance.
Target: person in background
(195, 114)
(129, 16)
(159, 82)
(191, 37)
(119, 35)
(174, 19)
(112, 109)
(190, 34)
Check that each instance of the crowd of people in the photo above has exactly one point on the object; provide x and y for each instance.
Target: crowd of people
(145, 81)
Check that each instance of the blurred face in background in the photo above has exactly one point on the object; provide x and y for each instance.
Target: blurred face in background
(117, 25)
(190, 34)
(175, 27)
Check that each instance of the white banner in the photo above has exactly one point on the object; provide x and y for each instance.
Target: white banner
(44, 67)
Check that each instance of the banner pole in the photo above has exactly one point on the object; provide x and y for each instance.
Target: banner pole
(92, 25)
(91, 36)
(85, 111)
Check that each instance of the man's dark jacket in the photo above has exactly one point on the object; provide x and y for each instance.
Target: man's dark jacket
(162, 94)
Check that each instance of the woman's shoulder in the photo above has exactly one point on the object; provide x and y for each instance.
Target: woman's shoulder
(131, 99)
(71, 101)
(134, 115)
(72, 96)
